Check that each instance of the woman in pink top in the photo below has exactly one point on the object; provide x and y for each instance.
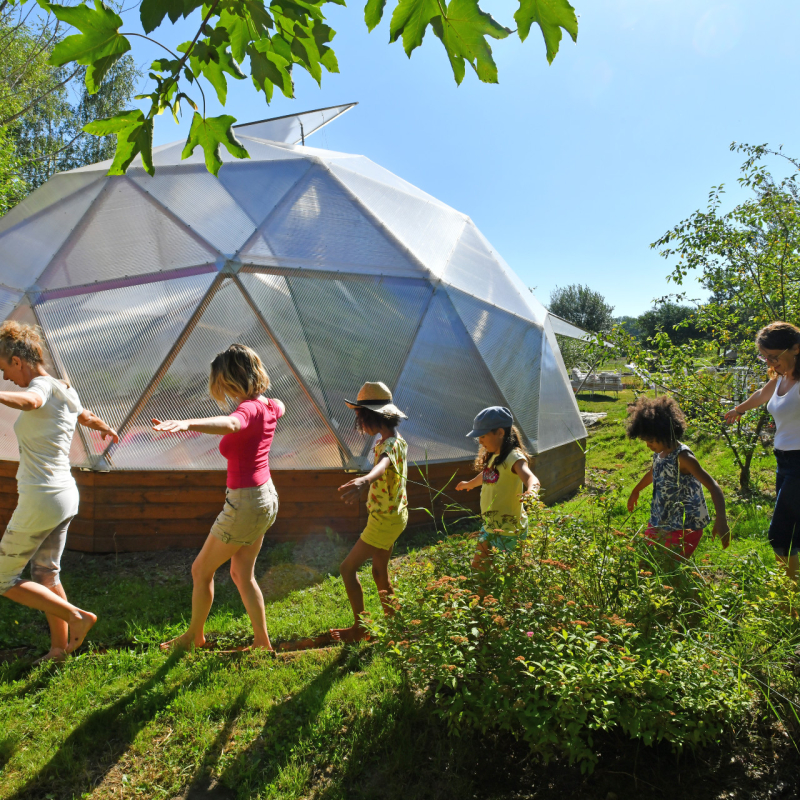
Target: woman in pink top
(251, 502)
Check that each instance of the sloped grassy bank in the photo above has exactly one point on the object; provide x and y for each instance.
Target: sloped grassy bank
(586, 628)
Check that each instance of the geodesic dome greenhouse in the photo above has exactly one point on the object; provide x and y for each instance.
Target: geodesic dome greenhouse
(333, 269)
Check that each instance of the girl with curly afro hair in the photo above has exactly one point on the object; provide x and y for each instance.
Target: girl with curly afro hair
(678, 511)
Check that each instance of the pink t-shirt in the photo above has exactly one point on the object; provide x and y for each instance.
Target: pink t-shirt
(247, 450)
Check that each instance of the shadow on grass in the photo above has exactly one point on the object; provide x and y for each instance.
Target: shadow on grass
(285, 726)
(93, 748)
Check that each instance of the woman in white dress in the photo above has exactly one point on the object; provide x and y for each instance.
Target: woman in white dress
(48, 494)
(779, 347)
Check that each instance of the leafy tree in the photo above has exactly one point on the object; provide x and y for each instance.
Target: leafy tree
(675, 319)
(274, 37)
(631, 325)
(583, 307)
(748, 259)
(44, 107)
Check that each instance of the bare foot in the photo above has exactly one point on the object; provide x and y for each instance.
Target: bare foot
(183, 642)
(78, 628)
(54, 654)
(355, 633)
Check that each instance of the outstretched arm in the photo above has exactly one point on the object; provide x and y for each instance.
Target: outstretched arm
(643, 483)
(22, 401)
(217, 426)
(758, 398)
(352, 489)
(529, 480)
(472, 484)
(90, 420)
(691, 466)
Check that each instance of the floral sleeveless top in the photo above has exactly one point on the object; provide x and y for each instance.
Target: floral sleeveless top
(678, 502)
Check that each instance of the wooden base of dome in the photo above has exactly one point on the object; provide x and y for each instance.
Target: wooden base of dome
(129, 511)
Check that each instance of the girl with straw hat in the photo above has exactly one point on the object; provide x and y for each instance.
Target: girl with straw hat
(387, 502)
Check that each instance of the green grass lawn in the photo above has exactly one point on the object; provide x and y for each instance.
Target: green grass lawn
(125, 720)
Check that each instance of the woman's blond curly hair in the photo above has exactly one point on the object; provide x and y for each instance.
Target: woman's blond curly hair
(237, 372)
(21, 340)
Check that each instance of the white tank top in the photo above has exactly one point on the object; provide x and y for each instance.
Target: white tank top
(786, 413)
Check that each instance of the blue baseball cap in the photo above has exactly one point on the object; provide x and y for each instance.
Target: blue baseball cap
(490, 419)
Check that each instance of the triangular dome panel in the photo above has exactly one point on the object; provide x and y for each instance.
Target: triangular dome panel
(559, 419)
(125, 234)
(429, 230)
(28, 247)
(474, 269)
(110, 372)
(444, 384)
(357, 329)
(323, 228)
(512, 350)
(273, 298)
(8, 302)
(197, 198)
(259, 187)
(303, 441)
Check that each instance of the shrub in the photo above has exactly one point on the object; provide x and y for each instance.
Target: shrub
(581, 629)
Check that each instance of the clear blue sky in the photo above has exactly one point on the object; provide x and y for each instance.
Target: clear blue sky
(570, 170)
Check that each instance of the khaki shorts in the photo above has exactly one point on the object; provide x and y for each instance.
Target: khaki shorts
(247, 514)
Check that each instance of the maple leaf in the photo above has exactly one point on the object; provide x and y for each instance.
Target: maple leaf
(98, 45)
(134, 134)
(551, 16)
(411, 19)
(463, 30)
(209, 133)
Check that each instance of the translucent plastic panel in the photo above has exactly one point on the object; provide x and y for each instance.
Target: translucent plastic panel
(302, 441)
(194, 195)
(512, 350)
(564, 328)
(444, 384)
(8, 301)
(57, 188)
(369, 169)
(428, 230)
(559, 418)
(357, 329)
(292, 128)
(259, 151)
(323, 227)
(474, 269)
(126, 233)
(259, 187)
(273, 298)
(27, 248)
(112, 343)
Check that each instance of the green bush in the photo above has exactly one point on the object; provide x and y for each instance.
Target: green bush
(583, 629)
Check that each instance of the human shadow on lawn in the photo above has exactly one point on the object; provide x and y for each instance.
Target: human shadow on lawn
(284, 727)
(92, 749)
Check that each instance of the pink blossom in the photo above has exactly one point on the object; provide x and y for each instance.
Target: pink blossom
(529, 633)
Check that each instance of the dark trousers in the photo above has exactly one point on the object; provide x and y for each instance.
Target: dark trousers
(784, 530)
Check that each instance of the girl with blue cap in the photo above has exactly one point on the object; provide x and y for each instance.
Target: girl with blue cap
(504, 471)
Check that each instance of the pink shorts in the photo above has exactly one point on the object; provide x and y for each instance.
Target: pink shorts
(683, 541)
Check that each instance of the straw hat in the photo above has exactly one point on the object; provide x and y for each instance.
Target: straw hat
(377, 397)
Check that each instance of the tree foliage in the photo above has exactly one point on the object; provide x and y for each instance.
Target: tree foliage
(267, 40)
(748, 260)
(583, 307)
(677, 320)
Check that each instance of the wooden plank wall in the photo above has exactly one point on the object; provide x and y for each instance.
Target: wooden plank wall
(129, 511)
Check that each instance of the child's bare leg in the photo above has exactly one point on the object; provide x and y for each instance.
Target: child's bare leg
(349, 571)
(380, 572)
(243, 564)
(213, 555)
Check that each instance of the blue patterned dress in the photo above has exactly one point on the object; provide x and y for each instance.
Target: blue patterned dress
(678, 502)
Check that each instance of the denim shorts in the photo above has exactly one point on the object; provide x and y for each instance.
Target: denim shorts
(784, 530)
(247, 514)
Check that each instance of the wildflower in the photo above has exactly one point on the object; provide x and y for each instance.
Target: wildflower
(645, 573)
(667, 588)
(629, 625)
(580, 622)
(528, 605)
(447, 615)
(628, 658)
(704, 666)
(663, 672)
(450, 667)
(519, 658)
(570, 602)
(672, 713)
(416, 622)
(411, 660)
(559, 597)
(461, 578)
(391, 644)
(529, 633)
(498, 620)
(459, 639)
(601, 639)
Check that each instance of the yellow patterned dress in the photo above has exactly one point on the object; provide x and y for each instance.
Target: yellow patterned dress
(388, 502)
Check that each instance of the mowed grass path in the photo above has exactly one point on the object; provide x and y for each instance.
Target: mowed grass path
(125, 720)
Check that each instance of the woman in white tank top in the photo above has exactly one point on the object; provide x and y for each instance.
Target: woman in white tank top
(779, 346)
